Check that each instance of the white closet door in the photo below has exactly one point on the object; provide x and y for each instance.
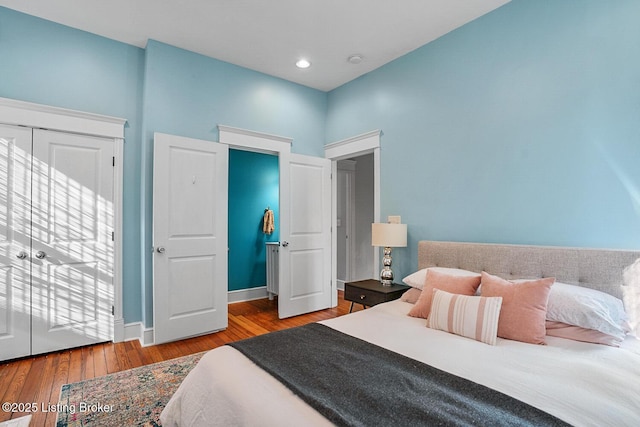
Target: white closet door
(305, 234)
(15, 206)
(72, 247)
(190, 186)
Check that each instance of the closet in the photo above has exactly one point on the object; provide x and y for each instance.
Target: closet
(56, 240)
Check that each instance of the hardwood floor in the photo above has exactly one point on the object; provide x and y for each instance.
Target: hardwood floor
(37, 380)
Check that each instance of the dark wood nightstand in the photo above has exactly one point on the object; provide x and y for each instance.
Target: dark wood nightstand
(371, 292)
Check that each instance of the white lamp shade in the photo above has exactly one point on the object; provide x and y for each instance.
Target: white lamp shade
(389, 235)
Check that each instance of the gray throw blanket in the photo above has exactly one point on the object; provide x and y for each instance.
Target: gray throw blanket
(354, 383)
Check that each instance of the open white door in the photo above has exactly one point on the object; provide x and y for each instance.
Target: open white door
(305, 235)
(190, 189)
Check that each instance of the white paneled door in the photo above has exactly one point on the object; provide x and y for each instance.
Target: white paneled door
(15, 242)
(72, 240)
(305, 233)
(56, 222)
(190, 180)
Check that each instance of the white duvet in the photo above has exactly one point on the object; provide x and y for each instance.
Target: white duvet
(582, 384)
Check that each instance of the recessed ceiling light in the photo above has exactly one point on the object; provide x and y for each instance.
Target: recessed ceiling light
(303, 63)
(355, 59)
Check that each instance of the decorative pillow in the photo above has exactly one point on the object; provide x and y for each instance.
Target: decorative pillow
(587, 308)
(631, 298)
(469, 316)
(464, 285)
(524, 306)
(411, 295)
(576, 333)
(416, 280)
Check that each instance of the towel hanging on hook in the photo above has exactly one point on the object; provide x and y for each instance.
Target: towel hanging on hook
(268, 223)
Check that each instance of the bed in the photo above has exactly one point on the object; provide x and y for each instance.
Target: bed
(574, 382)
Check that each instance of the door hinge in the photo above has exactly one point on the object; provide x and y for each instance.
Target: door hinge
(114, 161)
(113, 236)
(113, 311)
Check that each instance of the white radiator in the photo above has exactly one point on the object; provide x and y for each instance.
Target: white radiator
(272, 268)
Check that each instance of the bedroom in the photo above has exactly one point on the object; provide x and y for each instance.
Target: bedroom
(520, 127)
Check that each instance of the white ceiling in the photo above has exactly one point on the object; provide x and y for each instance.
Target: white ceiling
(270, 36)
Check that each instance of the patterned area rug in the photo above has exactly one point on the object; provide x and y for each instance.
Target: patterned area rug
(135, 397)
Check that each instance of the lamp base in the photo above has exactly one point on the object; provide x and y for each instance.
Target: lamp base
(386, 275)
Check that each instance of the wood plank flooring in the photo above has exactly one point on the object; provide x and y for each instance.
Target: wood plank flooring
(37, 380)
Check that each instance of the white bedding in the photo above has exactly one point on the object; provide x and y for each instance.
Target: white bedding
(582, 384)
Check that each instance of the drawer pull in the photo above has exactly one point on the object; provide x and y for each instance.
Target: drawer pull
(362, 297)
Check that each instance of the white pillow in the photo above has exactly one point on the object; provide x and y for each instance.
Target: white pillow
(468, 316)
(587, 308)
(417, 279)
(631, 299)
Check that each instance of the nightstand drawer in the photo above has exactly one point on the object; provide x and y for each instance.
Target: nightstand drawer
(363, 296)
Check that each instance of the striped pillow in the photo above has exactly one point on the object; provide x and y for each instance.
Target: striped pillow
(469, 316)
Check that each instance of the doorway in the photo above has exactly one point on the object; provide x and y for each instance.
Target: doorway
(363, 149)
(355, 213)
(305, 257)
(254, 189)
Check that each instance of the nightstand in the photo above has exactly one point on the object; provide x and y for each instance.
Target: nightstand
(371, 292)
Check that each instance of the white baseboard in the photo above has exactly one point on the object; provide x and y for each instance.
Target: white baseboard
(118, 330)
(133, 331)
(137, 330)
(147, 337)
(247, 294)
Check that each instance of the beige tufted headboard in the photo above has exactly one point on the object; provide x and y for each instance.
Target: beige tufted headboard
(599, 269)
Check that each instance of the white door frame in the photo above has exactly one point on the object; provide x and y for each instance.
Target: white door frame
(21, 113)
(344, 149)
(259, 142)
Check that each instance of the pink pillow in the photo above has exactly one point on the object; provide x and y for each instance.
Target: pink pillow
(463, 285)
(524, 306)
(411, 296)
(577, 333)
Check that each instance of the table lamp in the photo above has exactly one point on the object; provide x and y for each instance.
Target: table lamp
(388, 236)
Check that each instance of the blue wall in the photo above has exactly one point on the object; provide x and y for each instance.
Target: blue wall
(522, 126)
(254, 184)
(188, 94)
(157, 89)
(51, 64)
(519, 127)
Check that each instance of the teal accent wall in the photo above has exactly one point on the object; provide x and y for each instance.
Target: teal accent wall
(253, 186)
(519, 127)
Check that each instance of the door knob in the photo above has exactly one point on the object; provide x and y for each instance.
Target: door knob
(160, 249)
(22, 255)
(285, 244)
(41, 255)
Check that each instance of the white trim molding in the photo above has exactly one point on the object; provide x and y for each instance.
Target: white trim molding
(21, 113)
(249, 294)
(253, 141)
(15, 112)
(353, 146)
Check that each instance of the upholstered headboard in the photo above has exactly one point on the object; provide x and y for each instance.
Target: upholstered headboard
(599, 269)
